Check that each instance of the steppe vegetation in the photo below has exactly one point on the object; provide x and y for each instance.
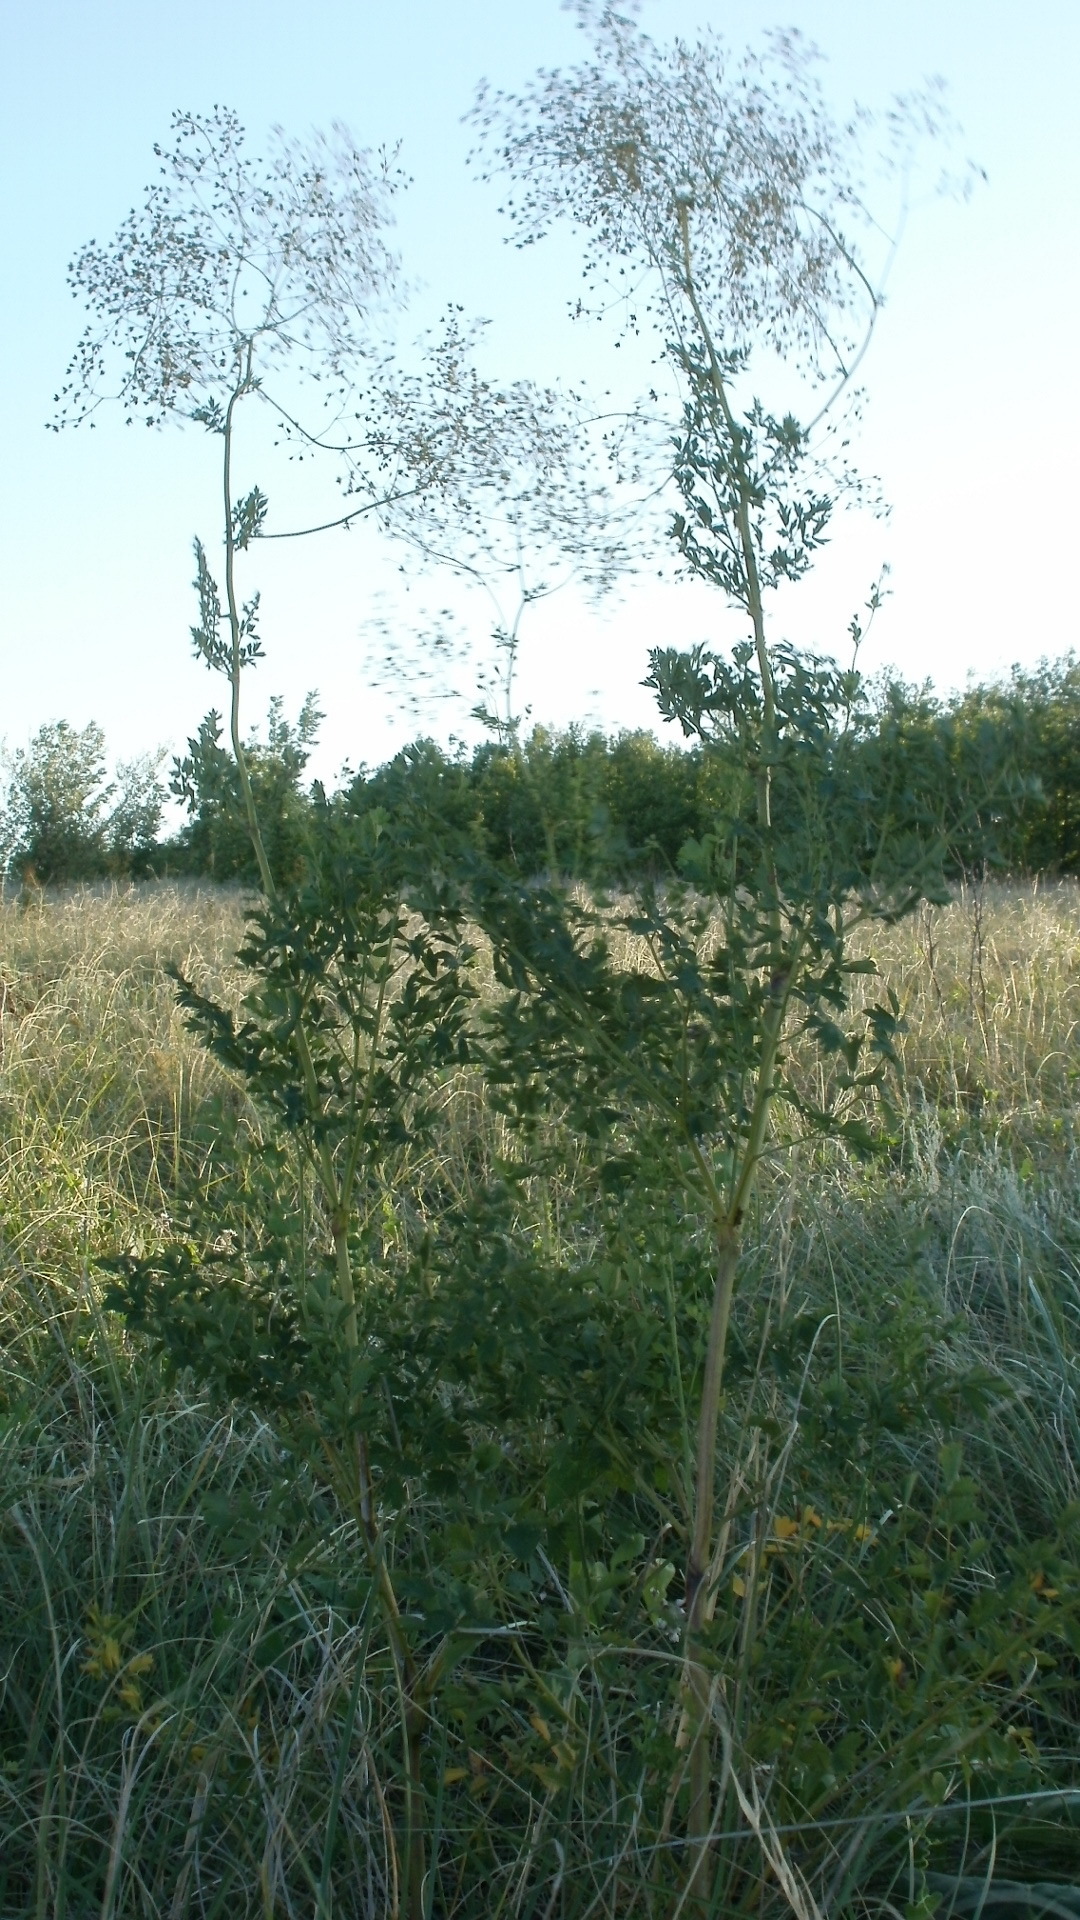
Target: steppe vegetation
(199, 1714)
(525, 1397)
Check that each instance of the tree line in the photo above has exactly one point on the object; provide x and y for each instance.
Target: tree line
(995, 768)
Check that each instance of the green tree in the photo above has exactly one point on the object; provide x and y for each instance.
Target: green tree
(217, 840)
(65, 820)
(133, 830)
(1027, 725)
(652, 797)
(57, 803)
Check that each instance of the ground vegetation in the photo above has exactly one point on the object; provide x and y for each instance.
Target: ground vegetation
(199, 1711)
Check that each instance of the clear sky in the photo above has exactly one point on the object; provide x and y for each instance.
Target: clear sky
(972, 422)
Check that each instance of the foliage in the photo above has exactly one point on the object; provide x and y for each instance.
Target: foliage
(58, 822)
(133, 832)
(1009, 747)
(56, 802)
(650, 1589)
(216, 840)
(1034, 718)
(653, 797)
(898, 1642)
(985, 775)
(988, 774)
(729, 201)
(352, 1013)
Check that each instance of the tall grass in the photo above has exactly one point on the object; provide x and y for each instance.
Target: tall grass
(196, 1719)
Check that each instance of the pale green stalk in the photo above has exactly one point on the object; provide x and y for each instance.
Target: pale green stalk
(698, 1685)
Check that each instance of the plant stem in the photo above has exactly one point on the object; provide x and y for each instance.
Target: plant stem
(698, 1685)
(242, 387)
(754, 602)
(697, 1681)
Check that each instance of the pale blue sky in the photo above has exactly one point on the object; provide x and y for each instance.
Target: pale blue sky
(973, 417)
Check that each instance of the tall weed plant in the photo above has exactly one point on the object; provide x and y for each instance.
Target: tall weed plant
(589, 1516)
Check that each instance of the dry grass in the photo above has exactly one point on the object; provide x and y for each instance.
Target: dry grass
(990, 991)
(98, 1074)
(233, 1779)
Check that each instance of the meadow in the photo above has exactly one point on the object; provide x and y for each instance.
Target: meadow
(198, 1714)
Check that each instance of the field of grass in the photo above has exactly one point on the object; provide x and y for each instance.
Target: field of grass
(197, 1711)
